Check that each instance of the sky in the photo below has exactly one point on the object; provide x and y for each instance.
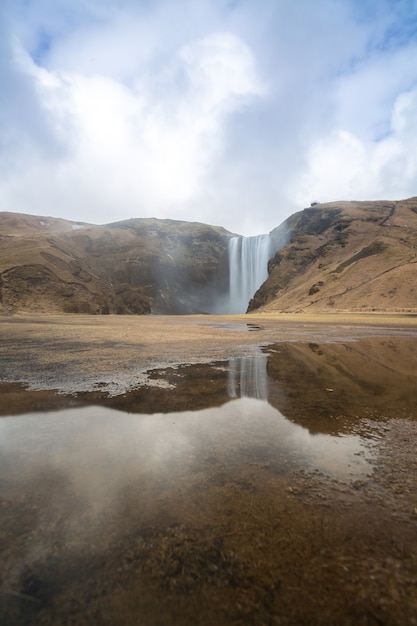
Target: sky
(235, 113)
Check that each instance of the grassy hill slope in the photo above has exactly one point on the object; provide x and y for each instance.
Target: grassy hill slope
(137, 266)
(348, 256)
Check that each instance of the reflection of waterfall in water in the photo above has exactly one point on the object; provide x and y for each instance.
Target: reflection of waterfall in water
(248, 267)
(248, 377)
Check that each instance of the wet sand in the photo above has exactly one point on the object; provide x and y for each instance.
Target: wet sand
(231, 533)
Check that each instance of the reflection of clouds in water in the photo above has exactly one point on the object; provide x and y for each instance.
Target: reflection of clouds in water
(248, 377)
(102, 449)
(91, 473)
(99, 448)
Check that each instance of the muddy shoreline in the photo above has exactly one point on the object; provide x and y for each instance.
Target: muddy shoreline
(233, 532)
(81, 353)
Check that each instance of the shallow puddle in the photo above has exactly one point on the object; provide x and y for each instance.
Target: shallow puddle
(222, 496)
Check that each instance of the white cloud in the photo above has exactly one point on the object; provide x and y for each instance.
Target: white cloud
(395, 158)
(232, 113)
(341, 165)
(139, 148)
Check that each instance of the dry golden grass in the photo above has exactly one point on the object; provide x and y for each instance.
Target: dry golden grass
(387, 318)
(347, 257)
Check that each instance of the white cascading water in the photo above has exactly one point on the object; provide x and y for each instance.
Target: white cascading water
(248, 267)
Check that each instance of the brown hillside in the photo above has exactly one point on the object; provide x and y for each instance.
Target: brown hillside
(138, 266)
(356, 256)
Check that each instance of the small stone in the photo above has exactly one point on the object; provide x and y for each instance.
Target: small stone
(359, 484)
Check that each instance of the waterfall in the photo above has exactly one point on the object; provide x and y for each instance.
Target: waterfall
(248, 269)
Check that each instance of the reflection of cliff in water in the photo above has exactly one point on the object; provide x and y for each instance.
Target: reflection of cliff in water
(328, 387)
(324, 386)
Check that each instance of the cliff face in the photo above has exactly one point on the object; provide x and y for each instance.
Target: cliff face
(356, 256)
(137, 266)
